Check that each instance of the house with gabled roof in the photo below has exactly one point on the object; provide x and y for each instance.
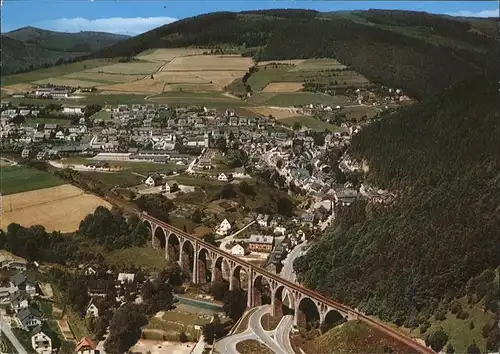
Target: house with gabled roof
(23, 283)
(19, 300)
(29, 318)
(86, 346)
(40, 341)
(223, 228)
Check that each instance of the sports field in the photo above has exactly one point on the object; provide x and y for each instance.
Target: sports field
(17, 179)
(58, 208)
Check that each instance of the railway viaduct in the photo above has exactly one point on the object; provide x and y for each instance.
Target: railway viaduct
(206, 263)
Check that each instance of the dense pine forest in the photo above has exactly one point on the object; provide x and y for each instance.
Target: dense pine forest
(418, 52)
(440, 240)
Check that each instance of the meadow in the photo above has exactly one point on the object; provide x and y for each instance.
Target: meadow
(290, 99)
(212, 99)
(310, 122)
(55, 71)
(17, 179)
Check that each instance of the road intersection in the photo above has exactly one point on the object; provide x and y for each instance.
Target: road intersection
(278, 340)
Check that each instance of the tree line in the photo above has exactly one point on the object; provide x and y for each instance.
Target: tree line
(412, 260)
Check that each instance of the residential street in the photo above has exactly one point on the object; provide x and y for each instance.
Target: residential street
(10, 335)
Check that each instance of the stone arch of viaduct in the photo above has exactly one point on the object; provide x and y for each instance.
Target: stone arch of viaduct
(205, 263)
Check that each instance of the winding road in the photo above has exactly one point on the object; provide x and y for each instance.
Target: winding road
(278, 340)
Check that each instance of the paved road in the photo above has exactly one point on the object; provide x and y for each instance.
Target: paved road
(10, 335)
(283, 329)
(254, 332)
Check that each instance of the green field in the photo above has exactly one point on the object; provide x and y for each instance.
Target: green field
(88, 99)
(41, 120)
(55, 71)
(318, 64)
(212, 99)
(122, 179)
(103, 115)
(459, 330)
(310, 122)
(289, 99)
(15, 179)
(312, 71)
(141, 257)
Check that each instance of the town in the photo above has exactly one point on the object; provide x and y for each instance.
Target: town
(180, 153)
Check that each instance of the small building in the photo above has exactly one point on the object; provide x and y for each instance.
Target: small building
(40, 341)
(279, 230)
(150, 181)
(19, 300)
(10, 261)
(166, 188)
(126, 278)
(307, 219)
(92, 309)
(29, 318)
(239, 249)
(25, 153)
(73, 110)
(263, 220)
(89, 271)
(223, 228)
(260, 243)
(222, 177)
(23, 283)
(86, 346)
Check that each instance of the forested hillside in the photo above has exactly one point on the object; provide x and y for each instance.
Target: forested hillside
(440, 240)
(29, 48)
(416, 51)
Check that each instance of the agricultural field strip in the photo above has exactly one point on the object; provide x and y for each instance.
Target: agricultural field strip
(45, 202)
(24, 200)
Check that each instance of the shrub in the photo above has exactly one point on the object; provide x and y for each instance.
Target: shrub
(437, 339)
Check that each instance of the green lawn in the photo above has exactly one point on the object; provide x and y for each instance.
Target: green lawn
(289, 99)
(87, 99)
(77, 325)
(208, 99)
(103, 115)
(318, 64)
(310, 122)
(141, 257)
(16, 179)
(122, 178)
(41, 120)
(266, 75)
(195, 181)
(459, 331)
(173, 322)
(55, 71)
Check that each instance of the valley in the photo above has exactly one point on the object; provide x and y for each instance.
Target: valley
(264, 181)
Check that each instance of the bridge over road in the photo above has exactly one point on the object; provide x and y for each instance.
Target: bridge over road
(205, 263)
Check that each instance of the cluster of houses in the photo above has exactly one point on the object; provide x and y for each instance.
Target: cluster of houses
(48, 92)
(18, 293)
